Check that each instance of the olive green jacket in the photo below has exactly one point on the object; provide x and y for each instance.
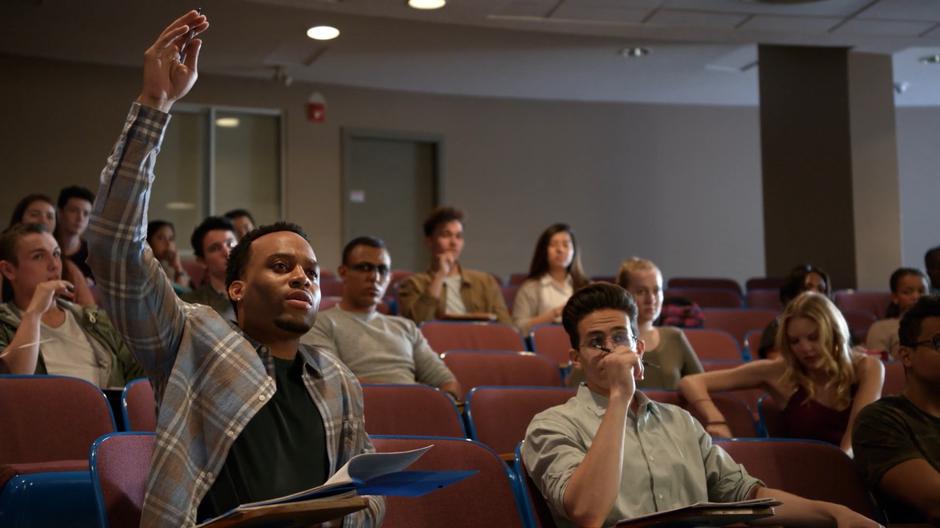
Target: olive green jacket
(96, 325)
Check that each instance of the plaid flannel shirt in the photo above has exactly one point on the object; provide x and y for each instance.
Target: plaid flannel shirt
(208, 377)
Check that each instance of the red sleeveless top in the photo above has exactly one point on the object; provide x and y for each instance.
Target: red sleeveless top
(815, 420)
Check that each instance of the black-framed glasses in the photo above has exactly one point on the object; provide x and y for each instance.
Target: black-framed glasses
(933, 342)
(617, 338)
(368, 267)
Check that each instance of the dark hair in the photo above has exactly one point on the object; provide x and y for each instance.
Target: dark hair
(211, 223)
(441, 215)
(155, 225)
(539, 266)
(20, 209)
(238, 258)
(238, 213)
(793, 284)
(361, 241)
(12, 235)
(909, 328)
(75, 191)
(594, 297)
(893, 309)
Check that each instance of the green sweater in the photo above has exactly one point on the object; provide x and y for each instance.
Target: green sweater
(96, 325)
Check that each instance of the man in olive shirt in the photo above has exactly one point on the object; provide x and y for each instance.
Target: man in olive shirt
(446, 289)
(212, 242)
(896, 439)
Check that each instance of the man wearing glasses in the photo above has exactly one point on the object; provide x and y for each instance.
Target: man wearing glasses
(378, 348)
(897, 438)
(610, 453)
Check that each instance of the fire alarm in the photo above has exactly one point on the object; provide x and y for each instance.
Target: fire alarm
(316, 108)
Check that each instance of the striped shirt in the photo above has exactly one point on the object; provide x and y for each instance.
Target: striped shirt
(209, 378)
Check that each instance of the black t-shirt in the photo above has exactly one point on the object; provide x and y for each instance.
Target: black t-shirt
(79, 258)
(282, 450)
(888, 432)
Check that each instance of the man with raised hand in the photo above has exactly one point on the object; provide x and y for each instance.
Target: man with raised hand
(611, 453)
(245, 411)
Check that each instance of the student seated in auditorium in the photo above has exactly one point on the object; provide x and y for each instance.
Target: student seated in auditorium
(378, 348)
(40, 209)
(802, 278)
(246, 411)
(554, 274)
(74, 206)
(668, 356)
(611, 453)
(818, 381)
(41, 330)
(446, 289)
(932, 265)
(897, 438)
(242, 222)
(212, 242)
(161, 236)
(907, 285)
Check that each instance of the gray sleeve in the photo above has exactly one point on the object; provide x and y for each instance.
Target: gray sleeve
(525, 306)
(690, 361)
(551, 453)
(727, 480)
(429, 367)
(321, 337)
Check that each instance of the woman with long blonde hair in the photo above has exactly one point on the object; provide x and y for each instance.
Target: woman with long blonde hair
(818, 380)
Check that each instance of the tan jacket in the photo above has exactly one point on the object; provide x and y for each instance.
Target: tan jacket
(480, 293)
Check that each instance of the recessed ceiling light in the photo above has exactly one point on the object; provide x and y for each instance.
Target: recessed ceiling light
(323, 32)
(632, 53)
(227, 122)
(930, 59)
(426, 4)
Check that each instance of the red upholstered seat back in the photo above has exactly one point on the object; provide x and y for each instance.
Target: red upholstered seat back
(139, 406)
(47, 418)
(499, 416)
(443, 336)
(713, 345)
(810, 469)
(552, 342)
(737, 322)
(705, 282)
(894, 378)
(707, 297)
(484, 499)
(120, 467)
(874, 302)
(475, 368)
(410, 410)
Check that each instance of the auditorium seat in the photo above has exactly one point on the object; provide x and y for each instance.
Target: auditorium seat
(410, 410)
(535, 508)
(475, 368)
(705, 282)
(446, 335)
(139, 407)
(551, 341)
(808, 468)
(509, 295)
(859, 322)
(516, 279)
(737, 322)
(706, 297)
(499, 416)
(120, 466)
(488, 498)
(735, 409)
(764, 299)
(894, 378)
(764, 283)
(752, 343)
(331, 287)
(713, 345)
(873, 302)
(49, 424)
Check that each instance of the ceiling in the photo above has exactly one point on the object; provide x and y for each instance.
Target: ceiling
(702, 51)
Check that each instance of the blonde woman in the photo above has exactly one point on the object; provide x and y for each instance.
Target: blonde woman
(818, 380)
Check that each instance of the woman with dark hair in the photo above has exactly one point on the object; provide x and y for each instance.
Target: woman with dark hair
(907, 286)
(555, 273)
(805, 277)
(818, 380)
(161, 236)
(40, 209)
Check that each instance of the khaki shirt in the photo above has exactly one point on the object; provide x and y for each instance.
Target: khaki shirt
(480, 293)
(669, 460)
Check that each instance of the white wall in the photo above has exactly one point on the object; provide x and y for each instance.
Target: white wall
(919, 164)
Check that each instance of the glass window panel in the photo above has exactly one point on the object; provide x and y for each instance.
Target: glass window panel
(178, 192)
(247, 164)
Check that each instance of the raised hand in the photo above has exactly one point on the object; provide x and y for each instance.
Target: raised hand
(44, 296)
(623, 368)
(166, 79)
